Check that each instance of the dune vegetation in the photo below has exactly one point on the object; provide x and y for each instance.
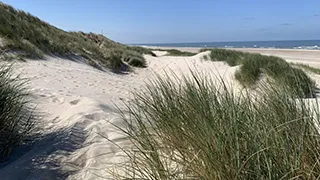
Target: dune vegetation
(17, 119)
(175, 52)
(33, 38)
(185, 127)
(307, 67)
(196, 129)
(255, 66)
(231, 57)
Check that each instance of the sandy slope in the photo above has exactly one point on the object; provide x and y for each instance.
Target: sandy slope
(77, 105)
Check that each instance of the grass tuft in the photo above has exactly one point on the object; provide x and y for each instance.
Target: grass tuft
(231, 57)
(16, 116)
(134, 59)
(142, 50)
(283, 74)
(196, 129)
(175, 52)
(255, 66)
(306, 67)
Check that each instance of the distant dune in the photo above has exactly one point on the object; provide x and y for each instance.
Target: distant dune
(33, 38)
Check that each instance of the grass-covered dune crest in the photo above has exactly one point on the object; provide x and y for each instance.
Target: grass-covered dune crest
(33, 38)
(254, 66)
(196, 129)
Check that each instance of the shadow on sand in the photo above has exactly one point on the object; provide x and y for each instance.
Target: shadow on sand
(35, 160)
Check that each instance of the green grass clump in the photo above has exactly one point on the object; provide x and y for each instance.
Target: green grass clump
(306, 67)
(115, 61)
(16, 117)
(231, 57)
(141, 50)
(34, 38)
(120, 60)
(196, 129)
(206, 57)
(134, 59)
(175, 52)
(255, 65)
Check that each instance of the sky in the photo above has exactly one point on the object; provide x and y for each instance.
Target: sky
(174, 21)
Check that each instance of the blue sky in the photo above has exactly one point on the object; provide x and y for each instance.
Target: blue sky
(169, 21)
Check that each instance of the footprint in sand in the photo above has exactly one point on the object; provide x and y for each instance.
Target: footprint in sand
(57, 100)
(95, 116)
(74, 102)
(56, 119)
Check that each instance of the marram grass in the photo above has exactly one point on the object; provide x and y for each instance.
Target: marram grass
(255, 66)
(196, 129)
(34, 38)
(17, 119)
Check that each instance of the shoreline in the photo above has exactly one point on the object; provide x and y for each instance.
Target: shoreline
(193, 49)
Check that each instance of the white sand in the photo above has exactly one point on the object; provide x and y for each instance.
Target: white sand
(77, 103)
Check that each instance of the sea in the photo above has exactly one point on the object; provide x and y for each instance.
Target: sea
(295, 44)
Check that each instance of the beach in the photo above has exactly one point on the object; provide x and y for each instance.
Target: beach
(79, 106)
(304, 56)
(151, 90)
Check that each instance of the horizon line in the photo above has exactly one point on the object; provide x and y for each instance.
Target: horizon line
(220, 41)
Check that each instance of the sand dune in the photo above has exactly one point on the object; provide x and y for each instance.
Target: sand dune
(78, 108)
(77, 104)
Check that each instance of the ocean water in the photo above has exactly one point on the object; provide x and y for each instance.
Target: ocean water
(296, 44)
